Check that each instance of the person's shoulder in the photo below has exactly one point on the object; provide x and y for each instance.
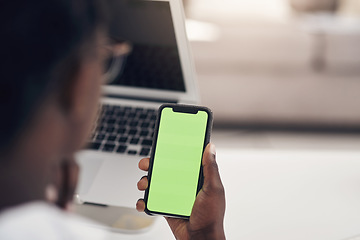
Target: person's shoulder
(40, 221)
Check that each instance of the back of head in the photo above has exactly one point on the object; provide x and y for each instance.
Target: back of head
(36, 37)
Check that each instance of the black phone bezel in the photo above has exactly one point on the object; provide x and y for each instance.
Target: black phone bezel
(191, 109)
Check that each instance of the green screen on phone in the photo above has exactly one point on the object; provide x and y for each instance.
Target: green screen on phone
(177, 162)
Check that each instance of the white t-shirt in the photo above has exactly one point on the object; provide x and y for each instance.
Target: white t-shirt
(41, 221)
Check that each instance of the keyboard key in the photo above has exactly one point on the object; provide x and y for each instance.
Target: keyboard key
(122, 122)
(144, 133)
(121, 130)
(121, 149)
(134, 141)
(123, 139)
(145, 152)
(132, 152)
(153, 117)
(111, 138)
(111, 121)
(133, 131)
(100, 137)
(109, 112)
(146, 142)
(110, 129)
(108, 147)
(143, 116)
(145, 124)
(93, 146)
(132, 115)
(120, 114)
(134, 124)
(139, 109)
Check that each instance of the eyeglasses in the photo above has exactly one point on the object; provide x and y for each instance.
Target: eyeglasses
(117, 50)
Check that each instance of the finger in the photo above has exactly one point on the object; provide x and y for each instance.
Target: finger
(144, 164)
(143, 183)
(140, 205)
(69, 177)
(212, 180)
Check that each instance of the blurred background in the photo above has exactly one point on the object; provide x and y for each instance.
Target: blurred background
(278, 64)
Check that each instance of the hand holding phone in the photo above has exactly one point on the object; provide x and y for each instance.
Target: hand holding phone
(207, 216)
(205, 202)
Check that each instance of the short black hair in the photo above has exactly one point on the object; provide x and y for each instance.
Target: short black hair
(37, 36)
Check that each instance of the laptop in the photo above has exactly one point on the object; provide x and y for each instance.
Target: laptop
(158, 69)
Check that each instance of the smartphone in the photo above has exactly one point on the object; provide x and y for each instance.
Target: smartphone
(175, 171)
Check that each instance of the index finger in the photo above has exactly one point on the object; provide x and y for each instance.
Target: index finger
(144, 164)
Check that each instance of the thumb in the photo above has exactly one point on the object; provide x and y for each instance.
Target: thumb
(212, 180)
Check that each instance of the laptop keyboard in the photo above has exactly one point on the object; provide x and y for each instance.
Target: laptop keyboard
(124, 130)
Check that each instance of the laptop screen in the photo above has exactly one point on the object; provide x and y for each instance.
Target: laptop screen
(153, 61)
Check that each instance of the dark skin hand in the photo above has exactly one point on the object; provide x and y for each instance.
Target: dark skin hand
(64, 183)
(207, 216)
(69, 172)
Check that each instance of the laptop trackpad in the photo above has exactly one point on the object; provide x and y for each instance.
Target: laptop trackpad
(114, 182)
(89, 168)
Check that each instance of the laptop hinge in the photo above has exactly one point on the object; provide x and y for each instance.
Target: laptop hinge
(157, 100)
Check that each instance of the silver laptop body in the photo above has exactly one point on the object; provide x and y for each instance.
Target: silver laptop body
(156, 30)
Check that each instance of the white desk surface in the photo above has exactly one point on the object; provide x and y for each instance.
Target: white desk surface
(284, 194)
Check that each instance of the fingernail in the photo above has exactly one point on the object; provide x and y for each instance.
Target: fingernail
(212, 148)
